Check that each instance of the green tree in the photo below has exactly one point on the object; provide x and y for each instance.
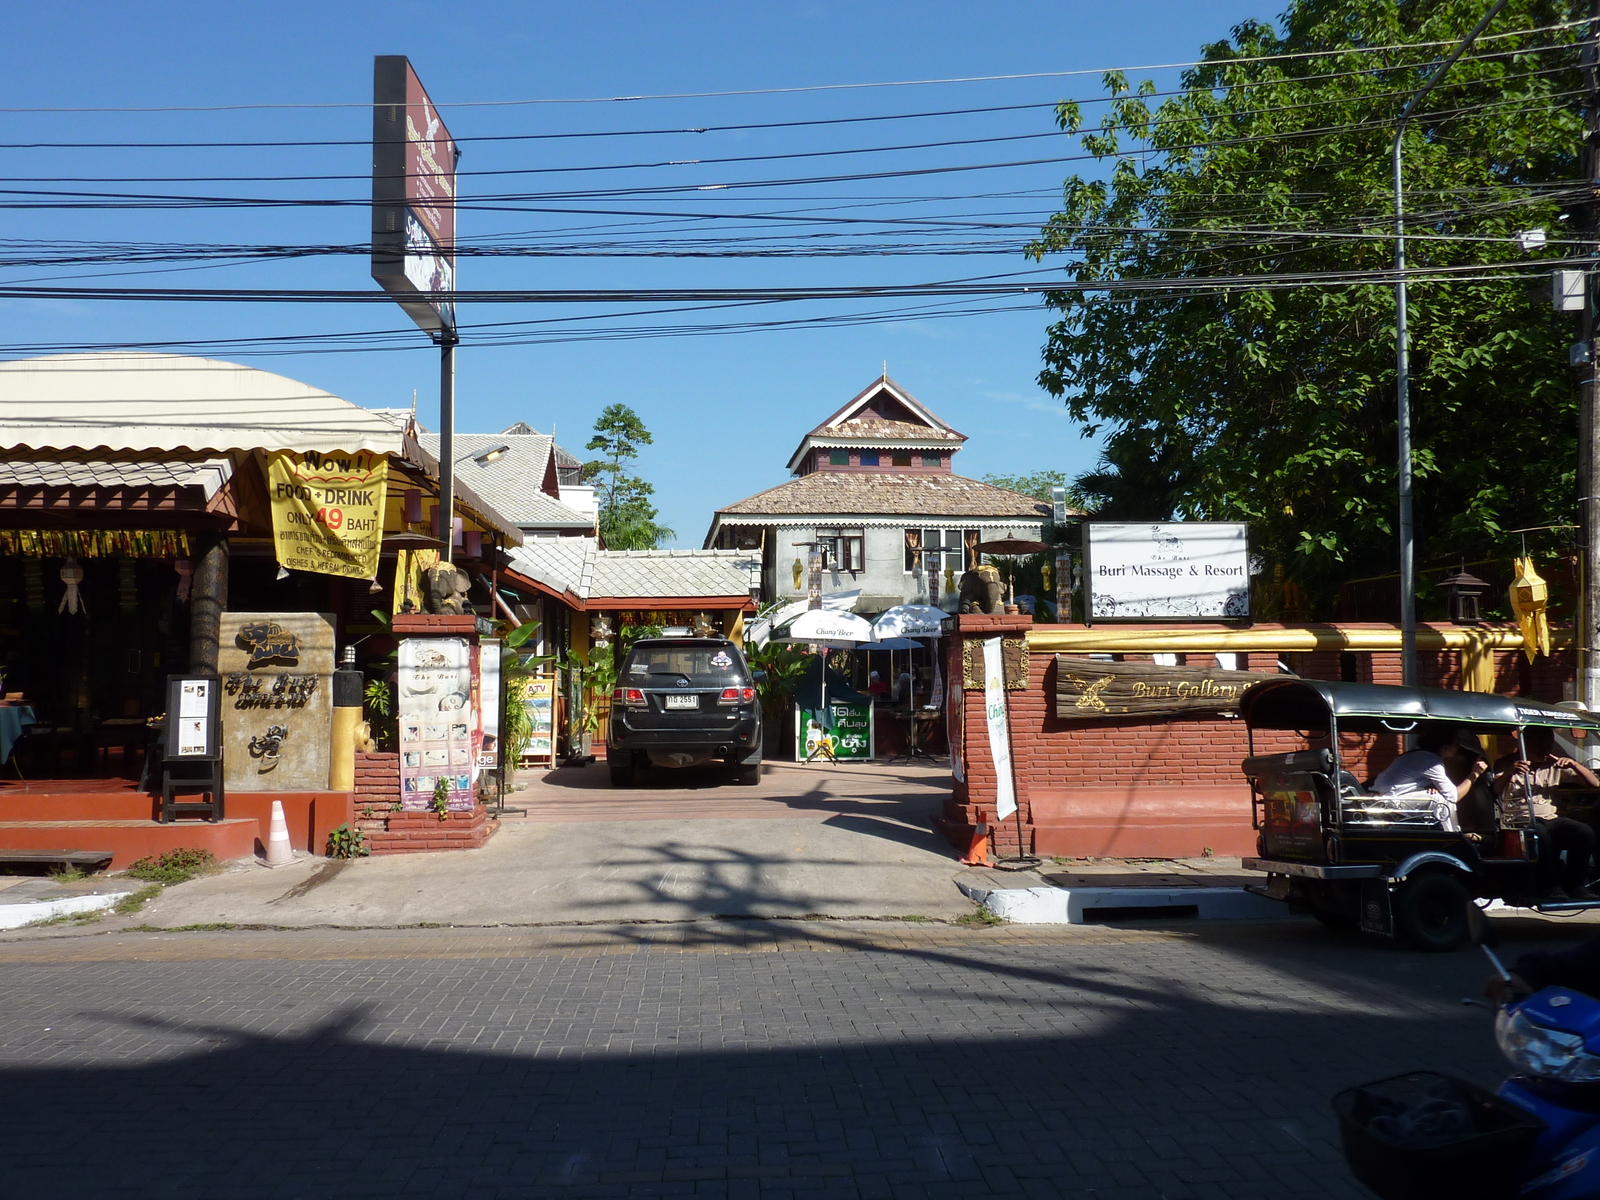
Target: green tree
(1038, 485)
(627, 516)
(1263, 396)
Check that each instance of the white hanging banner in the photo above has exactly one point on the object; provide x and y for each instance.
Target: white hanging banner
(994, 698)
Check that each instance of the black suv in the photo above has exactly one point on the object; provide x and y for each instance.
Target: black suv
(682, 702)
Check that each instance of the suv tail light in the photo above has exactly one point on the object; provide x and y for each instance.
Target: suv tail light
(632, 697)
(735, 695)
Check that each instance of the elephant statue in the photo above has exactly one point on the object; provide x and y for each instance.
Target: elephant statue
(980, 590)
(444, 588)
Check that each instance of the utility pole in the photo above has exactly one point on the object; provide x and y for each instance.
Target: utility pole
(446, 531)
(1402, 362)
(1589, 390)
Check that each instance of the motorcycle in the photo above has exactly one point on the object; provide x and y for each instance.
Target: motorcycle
(1536, 1138)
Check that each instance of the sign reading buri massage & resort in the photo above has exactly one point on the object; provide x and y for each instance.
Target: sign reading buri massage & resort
(1092, 689)
(327, 511)
(1181, 570)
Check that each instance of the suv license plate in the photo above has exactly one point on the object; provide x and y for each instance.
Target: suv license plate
(690, 701)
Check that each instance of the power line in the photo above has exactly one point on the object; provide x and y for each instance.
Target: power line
(824, 87)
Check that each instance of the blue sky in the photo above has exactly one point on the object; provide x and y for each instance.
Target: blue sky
(727, 408)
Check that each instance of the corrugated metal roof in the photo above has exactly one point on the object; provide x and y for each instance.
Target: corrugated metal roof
(125, 401)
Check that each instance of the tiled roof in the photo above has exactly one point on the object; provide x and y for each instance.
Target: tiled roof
(877, 427)
(513, 482)
(578, 567)
(829, 493)
(563, 564)
(207, 474)
(624, 573)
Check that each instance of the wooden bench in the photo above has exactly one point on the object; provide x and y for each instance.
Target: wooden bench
(74, 858)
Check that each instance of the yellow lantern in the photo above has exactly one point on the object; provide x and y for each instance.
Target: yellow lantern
(1529, 596)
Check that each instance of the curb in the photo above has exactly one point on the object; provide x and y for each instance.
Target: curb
(15, 916)
(1080, 905)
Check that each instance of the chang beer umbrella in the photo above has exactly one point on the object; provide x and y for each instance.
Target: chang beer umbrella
(910, 620)
(1529, 596)
(832, 630)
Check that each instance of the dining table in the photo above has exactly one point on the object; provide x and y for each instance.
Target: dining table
(13, 719)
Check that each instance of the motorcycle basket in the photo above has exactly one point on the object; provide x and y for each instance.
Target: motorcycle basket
(1424, 1135)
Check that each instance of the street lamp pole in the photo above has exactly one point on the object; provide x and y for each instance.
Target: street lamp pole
(1402, 367)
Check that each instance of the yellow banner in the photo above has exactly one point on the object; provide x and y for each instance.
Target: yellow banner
(327, 511)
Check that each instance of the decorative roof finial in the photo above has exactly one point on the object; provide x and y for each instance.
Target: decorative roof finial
(886, 370)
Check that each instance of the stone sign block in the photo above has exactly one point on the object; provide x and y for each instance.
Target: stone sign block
(277, 700)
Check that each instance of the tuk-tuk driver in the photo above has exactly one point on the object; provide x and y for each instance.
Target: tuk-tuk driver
(1540, 770)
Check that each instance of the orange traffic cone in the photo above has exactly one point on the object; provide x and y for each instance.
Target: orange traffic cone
(977, 854)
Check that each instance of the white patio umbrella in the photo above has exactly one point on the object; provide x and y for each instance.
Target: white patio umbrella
(760, 629)
(910, 620)
(836, 631)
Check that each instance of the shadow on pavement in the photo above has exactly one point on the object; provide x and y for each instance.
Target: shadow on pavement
(953, 1072)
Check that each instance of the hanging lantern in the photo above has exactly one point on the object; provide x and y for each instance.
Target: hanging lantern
(1529, 596)
(72, 600)
(600, 631)
(1462, 592)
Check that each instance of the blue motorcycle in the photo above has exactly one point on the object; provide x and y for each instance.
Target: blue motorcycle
(1553, 1040)
(1425, 1135)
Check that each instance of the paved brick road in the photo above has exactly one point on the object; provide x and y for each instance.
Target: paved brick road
(740, 1060)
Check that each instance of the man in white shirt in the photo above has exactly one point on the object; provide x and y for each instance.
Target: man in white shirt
(1423, 769)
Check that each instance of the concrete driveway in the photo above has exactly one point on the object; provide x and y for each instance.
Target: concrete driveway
(835, 841)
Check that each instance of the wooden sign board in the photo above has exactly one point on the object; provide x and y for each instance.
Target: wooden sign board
(1090, 689)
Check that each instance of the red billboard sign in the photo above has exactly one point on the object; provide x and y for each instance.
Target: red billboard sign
(413, 196)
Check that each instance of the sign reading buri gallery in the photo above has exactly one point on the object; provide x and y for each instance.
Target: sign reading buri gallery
(327, 511)
(1091, 689)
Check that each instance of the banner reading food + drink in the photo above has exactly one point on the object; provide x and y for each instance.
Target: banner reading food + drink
(327, 511)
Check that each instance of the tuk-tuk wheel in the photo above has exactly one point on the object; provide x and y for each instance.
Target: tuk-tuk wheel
(1431, 912)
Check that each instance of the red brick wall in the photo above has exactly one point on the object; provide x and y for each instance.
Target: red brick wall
(1137, 784)
(390, 831)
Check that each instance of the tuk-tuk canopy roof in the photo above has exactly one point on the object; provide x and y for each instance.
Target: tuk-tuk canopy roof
(1285, 703)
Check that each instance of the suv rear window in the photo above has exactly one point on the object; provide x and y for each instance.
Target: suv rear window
(664, 666)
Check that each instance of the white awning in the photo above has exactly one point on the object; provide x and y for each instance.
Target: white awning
(118, 400)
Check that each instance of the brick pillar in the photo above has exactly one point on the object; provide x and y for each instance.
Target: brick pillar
(975, 799)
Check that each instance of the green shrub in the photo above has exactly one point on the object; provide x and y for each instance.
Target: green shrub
(175, 866)
(345, 842)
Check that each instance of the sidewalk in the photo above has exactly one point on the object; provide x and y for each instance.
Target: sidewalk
(835, 841)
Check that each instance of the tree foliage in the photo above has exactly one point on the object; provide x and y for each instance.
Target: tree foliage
(627, 515)
(1271, 399)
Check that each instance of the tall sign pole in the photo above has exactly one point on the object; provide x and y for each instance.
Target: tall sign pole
(414, 235)
(1588, 621)
(1402, 363)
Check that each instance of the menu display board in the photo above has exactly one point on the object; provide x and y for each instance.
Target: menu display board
(539, 698)
(193, 712)
(440, 734)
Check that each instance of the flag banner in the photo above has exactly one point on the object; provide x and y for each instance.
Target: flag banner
(994, 697)
(327, 511)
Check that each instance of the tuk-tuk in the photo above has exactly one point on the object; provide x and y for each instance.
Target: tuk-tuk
(1392, 865)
